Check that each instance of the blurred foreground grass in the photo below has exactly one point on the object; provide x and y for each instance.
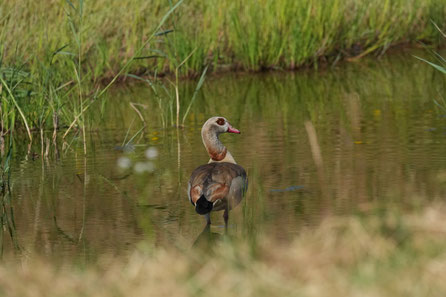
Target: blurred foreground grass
(380, 254)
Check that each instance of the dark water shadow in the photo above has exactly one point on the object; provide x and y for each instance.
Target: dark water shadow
(207, 238)
(7, 218)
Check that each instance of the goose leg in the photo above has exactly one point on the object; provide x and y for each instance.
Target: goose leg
(208, 218)
(226, 217)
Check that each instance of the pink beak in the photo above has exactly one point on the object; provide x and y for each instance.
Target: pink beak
(233, 130)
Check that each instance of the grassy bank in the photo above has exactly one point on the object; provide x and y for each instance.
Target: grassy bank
(247, 35)
(383, 254)
(56, 55)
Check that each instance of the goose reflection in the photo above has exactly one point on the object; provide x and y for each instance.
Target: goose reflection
(220, 184)
(207, 238)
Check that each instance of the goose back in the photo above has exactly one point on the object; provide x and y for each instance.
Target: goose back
(222, 184)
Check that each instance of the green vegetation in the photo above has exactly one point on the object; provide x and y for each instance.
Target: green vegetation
(54, 85)
(56, 55)
(439, 65)
(250, 35)
(58, 59)
(383, 254)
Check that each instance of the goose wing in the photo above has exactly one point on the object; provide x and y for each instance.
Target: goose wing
(216, 181)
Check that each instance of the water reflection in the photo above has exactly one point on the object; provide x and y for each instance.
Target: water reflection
(207, 238)
(365, 133)
(8, 232)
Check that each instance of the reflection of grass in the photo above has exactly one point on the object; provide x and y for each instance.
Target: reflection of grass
(7, 222)
(384, 254)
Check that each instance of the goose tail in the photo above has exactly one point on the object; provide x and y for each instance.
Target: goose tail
(203, 206)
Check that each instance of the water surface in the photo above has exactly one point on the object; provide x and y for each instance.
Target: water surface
(314, 144)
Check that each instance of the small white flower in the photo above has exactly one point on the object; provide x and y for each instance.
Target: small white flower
(124, 163)
(151, 153)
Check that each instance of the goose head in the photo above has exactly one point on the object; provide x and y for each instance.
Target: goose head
(218, 125)
(210, 132)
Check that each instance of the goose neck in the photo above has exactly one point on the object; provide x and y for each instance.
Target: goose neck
(215, 148)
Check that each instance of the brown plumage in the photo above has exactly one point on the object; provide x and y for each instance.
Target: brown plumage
(220, 184)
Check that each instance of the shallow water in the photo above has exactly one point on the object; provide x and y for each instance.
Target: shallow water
(314, 144)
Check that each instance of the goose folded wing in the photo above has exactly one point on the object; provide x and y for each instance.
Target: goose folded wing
(213, 180)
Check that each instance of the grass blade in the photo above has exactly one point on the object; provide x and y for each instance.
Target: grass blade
(438, 67)
(199, 85)
(18, 109)
(126, 65)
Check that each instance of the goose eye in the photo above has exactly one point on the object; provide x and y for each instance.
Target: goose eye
(221, 121)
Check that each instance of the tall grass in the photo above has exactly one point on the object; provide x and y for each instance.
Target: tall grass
(248, 35)
(54, 86)
(56, 56)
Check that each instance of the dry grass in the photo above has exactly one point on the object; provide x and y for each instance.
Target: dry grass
(383, 254)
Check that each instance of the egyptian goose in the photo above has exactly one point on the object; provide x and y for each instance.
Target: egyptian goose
(220, 184)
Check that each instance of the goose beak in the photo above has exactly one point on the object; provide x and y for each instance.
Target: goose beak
(233, 130)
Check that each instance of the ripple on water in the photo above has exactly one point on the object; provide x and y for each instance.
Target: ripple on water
(379, 138)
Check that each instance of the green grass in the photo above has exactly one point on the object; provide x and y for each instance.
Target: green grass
(52, 88)
(252, 35)
(57, 58)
